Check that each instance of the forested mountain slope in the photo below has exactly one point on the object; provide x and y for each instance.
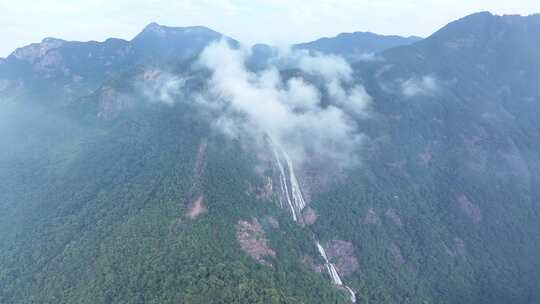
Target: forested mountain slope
(169, 172)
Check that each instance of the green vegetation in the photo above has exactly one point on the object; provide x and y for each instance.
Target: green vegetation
(442, 209)
(99, 216)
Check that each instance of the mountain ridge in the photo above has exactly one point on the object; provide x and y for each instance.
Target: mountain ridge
(146, 190)
(356, 44)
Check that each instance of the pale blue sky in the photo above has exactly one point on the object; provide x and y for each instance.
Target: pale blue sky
(269, 21)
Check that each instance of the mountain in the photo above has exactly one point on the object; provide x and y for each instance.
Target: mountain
(67, 70)
(178, 42)
(175, 178)
(357, 46)
(54, 69)
(458, 113)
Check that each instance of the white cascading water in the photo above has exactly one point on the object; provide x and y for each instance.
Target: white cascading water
(329, 266)
(298, 198)
(283, 184)
(296, 203)
(352, 293)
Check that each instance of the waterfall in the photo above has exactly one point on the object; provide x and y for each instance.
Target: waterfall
(336, 279)
(297, 196)
(329, 266)
(352, 293)
(292, 195)
(289, 186)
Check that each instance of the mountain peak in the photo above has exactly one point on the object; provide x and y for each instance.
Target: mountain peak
(152, 25)
(154, 28)
(179, 42)
(36, 50)
(483, 14)
(157, 30)
(52, 40)
(484, 28)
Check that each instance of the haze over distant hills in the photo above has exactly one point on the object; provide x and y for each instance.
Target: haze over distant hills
(180, 167)
(358, 45)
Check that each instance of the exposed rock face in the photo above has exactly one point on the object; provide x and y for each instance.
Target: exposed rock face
(394, 216)
(310, 216)
(372, 218)
(342, 255)
(112, 102)
(253, 241)
(49, 62)
(44, 57)
(196, 208)
(469, 208)
(35, 51)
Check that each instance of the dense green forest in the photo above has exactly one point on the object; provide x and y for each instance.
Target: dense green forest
(106, 197)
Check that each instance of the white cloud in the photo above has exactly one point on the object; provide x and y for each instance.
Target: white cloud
(289, 111)
(366, 57)
(301, 95)
(159, 86)
(329, 67)
(419, 86)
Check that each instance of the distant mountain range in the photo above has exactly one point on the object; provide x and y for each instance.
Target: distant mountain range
(358, 45)
(77, 68)
(175, 168)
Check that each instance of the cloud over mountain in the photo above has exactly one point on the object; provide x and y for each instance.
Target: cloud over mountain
(290, 110)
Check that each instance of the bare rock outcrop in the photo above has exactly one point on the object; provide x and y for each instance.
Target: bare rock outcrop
(196, 208)
(253, 241)
(112, 103)
(36, 51)
(310, 216)
(342, 255)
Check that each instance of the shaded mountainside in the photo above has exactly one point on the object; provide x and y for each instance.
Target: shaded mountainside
(111, 197)
(454, 155)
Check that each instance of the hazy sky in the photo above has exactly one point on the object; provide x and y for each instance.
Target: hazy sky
(269, 21)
